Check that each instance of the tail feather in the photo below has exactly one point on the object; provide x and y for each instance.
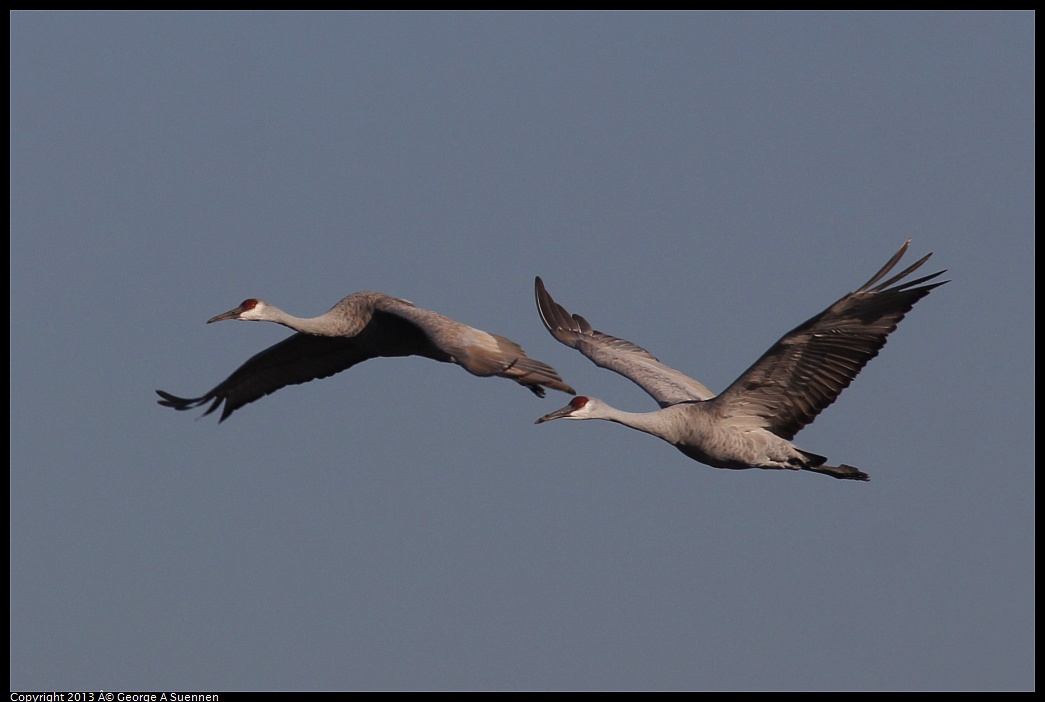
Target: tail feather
(534, 374)
(505, 358)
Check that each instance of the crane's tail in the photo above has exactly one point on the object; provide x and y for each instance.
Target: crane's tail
(534, 376)
(503, 357)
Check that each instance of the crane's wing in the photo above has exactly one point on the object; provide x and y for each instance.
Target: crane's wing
(809, 367)
(295, 360)
(667, 385)
(475, 350)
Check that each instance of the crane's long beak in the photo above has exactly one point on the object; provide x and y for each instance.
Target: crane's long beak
(231, 314)
(557, 414)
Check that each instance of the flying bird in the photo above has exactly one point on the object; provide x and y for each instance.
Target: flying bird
(361, 326)
(751, 424)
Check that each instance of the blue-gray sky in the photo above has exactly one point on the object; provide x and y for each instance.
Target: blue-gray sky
(698, 183)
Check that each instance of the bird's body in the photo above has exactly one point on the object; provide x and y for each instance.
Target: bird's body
(751, 424)
(361, 326)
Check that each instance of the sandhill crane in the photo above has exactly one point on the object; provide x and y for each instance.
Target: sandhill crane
(751, 424)
(361, 326)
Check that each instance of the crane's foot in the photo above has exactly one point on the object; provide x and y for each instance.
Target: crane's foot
(842, 472)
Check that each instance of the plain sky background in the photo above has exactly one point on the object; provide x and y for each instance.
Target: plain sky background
(699, 183)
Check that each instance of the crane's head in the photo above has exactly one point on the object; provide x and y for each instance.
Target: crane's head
(580, 407)
(250, 309)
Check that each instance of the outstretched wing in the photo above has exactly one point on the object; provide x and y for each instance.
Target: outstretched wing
(297, 359)
(808, 368)
(665, 384)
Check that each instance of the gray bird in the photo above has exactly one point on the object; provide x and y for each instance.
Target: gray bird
(363, 325)
(751, 424)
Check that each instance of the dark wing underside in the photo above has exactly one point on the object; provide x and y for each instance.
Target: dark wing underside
(304, 357)
(808, 368)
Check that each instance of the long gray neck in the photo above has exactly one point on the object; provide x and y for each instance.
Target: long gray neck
(668, 424)
(323, 325)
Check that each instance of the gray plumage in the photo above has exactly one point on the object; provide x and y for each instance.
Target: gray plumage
(751, 424)
(361, 326)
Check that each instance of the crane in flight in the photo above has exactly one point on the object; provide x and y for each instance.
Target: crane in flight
(361, 326)
(751, 424)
